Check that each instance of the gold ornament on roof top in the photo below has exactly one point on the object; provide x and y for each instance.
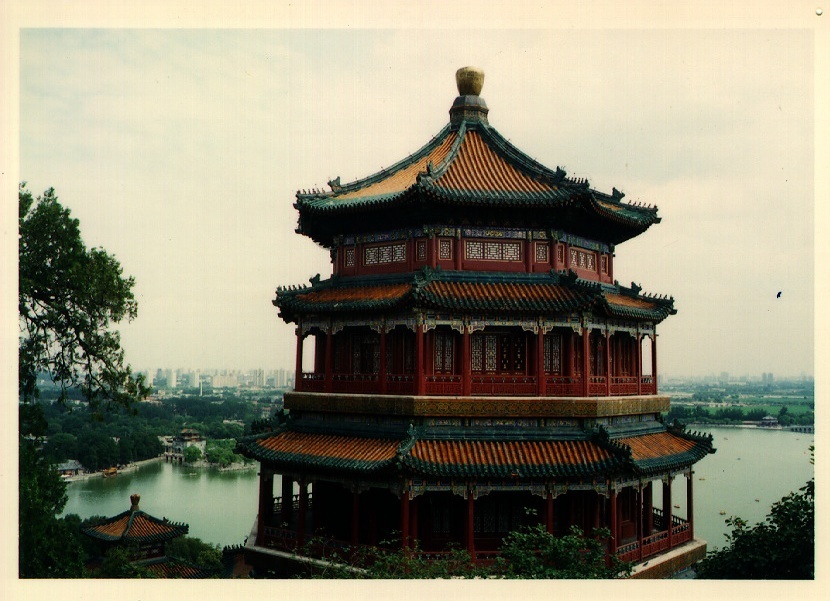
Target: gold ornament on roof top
(469, 81)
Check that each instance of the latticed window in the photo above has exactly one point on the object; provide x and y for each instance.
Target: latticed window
(445, 249)
(382, 255)
(553, 353)
(444, 350)
(541, 252)
(474, 250)
(493, 251)
(422, 250)
(604, 264)
(348, 257)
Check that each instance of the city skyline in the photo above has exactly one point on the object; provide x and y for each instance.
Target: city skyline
(180, 151)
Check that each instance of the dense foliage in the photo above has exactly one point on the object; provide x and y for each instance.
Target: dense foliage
(68, 298)
(49, 547)
(736, 415)
(528, 553)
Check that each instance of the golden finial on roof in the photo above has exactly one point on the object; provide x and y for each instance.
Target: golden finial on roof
(469, 81)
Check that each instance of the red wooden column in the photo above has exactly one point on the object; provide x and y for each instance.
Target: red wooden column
(413, 522)
(640, 520)
(689, 505)
(608, 362)
(639, 370)
(471, 535)
(383, 366)
(298, 368)
(648, 508)
(405, 541)
(586, 361)
(302, 513)
(549, 513)
(667, 508)
(355, 517)
(541, 380)
(287, 507)
(328, 376)
(572, 359)
(420, 381)
(266, 503)
(432, 251)
(466, 363)
(613, 521)
(654, 359)
(458, 248)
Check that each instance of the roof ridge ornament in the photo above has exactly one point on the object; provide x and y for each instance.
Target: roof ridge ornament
(469, 106)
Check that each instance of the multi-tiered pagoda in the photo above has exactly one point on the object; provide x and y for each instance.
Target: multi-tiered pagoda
(473, 358)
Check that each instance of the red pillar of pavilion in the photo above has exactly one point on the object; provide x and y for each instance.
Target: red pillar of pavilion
(355, 517)
(549, 513)
(298, 367)
(640, 516)
(541, 381)
(301, 515)
(266, 503)
(471, 546)
(667, 517)
(420, 382)
(328, 376)
(466, 364)
(586, 361)
(654, 360)
(383, 366)
(689, 507)
(612, 510)
(405, 541)
(607, 362)
(287, 506)
(639, 370)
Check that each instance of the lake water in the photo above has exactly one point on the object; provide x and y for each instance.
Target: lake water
(220, 507)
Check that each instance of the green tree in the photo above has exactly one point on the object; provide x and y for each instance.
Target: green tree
(192, 454)
(197, 552)
(68, 297)
(531, 552)
(48, 545)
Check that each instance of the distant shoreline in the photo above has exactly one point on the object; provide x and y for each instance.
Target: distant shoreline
(130, 467)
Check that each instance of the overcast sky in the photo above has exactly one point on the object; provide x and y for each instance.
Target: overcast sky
(181, 151)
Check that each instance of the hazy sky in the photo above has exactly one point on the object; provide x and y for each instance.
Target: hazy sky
(181, 151)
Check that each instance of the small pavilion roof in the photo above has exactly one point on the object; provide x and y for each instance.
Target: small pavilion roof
(469, 165)
(170, 567)
(135, 526)
(463, 291)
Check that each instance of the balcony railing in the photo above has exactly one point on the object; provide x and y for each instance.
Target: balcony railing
(480, 385)
(503, 386)
(657, 542)
(286, 539)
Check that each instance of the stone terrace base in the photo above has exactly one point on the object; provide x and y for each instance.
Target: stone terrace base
(671, 562)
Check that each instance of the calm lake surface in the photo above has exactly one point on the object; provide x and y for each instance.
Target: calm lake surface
(220, 507)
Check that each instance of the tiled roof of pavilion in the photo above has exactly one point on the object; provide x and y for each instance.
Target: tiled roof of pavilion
(135, 526)
(466, 291)
(459, 454)
(322, 450)
(469, 165)
(170, 567)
